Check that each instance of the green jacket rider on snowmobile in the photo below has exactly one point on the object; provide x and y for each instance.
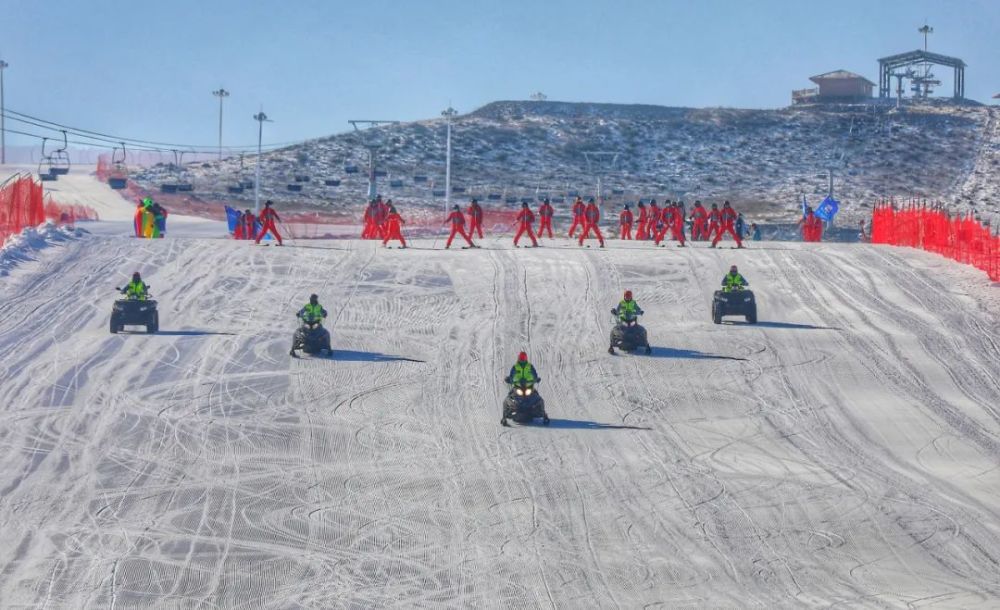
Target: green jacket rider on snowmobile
(733, 280)
(312, 311)
(522, 371)
(136, 289)
(627, 309)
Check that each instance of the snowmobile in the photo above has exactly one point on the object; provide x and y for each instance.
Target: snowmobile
(628, 336)
(737, 302)
(133, 311)
(311, 338)
(523, 404)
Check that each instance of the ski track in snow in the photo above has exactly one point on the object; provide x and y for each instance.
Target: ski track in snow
(845, 452)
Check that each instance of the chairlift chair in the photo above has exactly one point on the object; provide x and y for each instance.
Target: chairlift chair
(420, 178)
(294, 188)
(302, 178)
(494, 196)
(457, 190)
(332, 182)
(350, 169)
(118, 178)
(234, 189)
(438, 193)
(59, 159)
(168, 188)
(47, 175)
(510, 200)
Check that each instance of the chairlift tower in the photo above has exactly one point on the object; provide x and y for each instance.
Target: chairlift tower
(372, 146)
(605, 161)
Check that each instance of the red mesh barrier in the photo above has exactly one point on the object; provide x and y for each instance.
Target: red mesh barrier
(23, 204)
(958, 237)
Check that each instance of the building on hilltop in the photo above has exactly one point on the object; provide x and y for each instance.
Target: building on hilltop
(839, 86)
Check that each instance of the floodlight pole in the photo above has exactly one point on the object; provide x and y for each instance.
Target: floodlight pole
(260, 117)
(448, 113)
(3, 108)
(221, 94)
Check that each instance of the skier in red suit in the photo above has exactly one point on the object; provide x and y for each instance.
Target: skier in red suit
(713, 221)
(457, 220)
(700, 218)
(545, 213)
(726, 219)
(625, 221)
(393, 227)
(267, 218)
(642, 231)
(578, 220)
(475, 213)
(592, 218)
(525, 217)
(677, 223)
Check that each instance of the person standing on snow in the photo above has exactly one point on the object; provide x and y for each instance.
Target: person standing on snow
(592, 218)
(713, 222)
(140, 217)
(475, 213)
(545, 213)
(677, 222)
(457, 220)
(267, 218)
(655, 219)
(368, 232)
(754, 231)
(159, 220)
(741, 226)
(136, 290)
(733, 280)
(525, 218)
(625, 222)
(642, 231)
(699, 218)
(578, 219)
(522, 372)
(249, 225)
(393, 227)
(727, 218)
(239, 226)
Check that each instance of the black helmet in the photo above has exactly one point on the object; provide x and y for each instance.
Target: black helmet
(726, 204)
(136, 277)
(313, 299)
(454, 207)
(267, 203)
(474, 200)
(524, 204)
(546, 200)
(715, 206)
(733, 269)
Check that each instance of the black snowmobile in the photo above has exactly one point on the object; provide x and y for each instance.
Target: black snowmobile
(628, 336)
(737, 302)
(523, 404)
(311, 338)
(133, 311)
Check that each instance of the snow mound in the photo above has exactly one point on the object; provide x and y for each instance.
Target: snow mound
(22, 246)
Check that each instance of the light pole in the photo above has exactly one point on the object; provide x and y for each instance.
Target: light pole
(260, 117)
(448, 114)
(221, 94)
(3, 127)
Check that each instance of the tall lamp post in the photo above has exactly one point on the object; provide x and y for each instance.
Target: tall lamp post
(448, 114)
(221, 94)
(260, 117)
(3, 127)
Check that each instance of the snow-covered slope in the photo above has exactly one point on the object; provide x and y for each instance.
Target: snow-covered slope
(844, 451)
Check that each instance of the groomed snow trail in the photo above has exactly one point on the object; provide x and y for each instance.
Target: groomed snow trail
(843, 452)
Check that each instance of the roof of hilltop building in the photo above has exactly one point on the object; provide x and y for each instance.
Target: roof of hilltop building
(839, 75)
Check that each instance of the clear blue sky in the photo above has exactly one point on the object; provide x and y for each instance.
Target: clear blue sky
(145, 69)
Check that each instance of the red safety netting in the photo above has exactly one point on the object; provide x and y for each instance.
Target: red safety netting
(24, 204)
(958, 237)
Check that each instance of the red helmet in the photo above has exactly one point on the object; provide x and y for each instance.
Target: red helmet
(522, 357)
(628, 295)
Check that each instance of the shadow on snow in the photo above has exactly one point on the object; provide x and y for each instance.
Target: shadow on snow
(670, 352)
(578, 424)
(346, 355)
(788, 325)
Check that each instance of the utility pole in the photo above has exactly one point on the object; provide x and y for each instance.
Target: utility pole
(3, 110)
(600, 155)
(260, 117)
(448, 114)
(221, 94)
(372, 146)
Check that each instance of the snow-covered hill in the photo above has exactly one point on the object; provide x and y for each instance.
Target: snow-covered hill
(844, 451)
(764, 160)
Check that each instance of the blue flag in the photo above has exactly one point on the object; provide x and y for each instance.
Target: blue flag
(232, 217)
(827, 209)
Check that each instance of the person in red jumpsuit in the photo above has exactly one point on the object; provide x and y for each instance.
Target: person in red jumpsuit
(393, 227)
(699, 218)
(475, 212)
(267, 218)
(545, 213)
(592, 218)
(381, 215)
(625, 221)
(525, 218)
(240, 227)
(368, 232)
(457, 220)
(726, 219)
(713, 221)
(642, 231)
(677, 223)
(812, 226)
(655, 219)
(662, 223)
(249, 225)
(578, 220)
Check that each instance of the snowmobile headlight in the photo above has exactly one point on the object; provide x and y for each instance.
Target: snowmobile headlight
(527, 392)
(746, 299)
(519, 391)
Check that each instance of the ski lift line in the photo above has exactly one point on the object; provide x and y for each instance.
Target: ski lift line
(86, 133)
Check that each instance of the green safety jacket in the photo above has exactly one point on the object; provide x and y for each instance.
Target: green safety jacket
(136, 290)
(627, 309)
(522, 372)
(733, 281)
(312, 312)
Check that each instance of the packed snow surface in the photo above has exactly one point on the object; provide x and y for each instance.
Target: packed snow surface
(844, 451)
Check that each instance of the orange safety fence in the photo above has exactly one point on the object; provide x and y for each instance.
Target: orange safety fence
(23, 203)
(959, 237)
